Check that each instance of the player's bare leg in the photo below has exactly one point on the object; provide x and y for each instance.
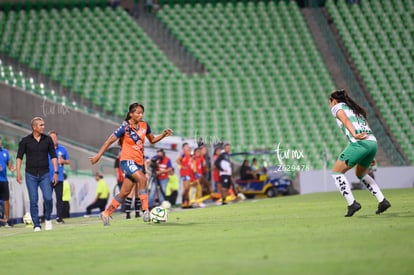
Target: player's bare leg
(126, 188)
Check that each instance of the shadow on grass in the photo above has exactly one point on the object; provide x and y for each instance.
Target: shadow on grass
(176, 223)
(388, 215)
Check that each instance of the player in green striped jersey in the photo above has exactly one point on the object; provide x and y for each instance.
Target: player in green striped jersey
(352, 120)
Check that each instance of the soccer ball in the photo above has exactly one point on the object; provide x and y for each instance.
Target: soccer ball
(159, 215)
(166, 205)
(27, 219)
(241, 196)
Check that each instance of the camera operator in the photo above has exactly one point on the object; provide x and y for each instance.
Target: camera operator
(160, 165)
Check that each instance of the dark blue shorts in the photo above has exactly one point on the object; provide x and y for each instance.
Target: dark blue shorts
(4, 190)
(225, 181)
(129, 167)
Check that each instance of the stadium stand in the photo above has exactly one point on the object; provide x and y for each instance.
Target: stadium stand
(265, 84)
(270, 84)
(382, 50)
(95, 52)
(17, 79)
(264, 73)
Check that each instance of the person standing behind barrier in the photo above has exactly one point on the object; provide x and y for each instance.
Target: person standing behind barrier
(66, 197)
(36, 147)
(163, 169)
(131, 134)
(224, 165)
(102, 195)
(63, 159)
(200, 171)
(186, 173)
(207, 163)
(216, 171)
(133, 196)
(5, 163)
(173, 185)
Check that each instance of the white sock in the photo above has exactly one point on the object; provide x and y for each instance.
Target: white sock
(373, 187)
(342, 183)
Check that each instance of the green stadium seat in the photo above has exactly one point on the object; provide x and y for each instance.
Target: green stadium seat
(378, 47)
(258, 63)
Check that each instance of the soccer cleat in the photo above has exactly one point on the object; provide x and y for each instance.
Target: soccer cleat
(146, 216)
(8, 224)
(382, 206)
(353, 208)
(105, 219)
(37, 229)
(128, 216)
(48, 225)
(59, 221)
(137, 214)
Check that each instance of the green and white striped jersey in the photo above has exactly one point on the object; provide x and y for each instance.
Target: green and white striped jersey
(360, 123)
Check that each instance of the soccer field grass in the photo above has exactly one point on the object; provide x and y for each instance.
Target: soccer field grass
(305, 234)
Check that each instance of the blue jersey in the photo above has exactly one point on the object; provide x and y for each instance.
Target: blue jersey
(61, 152)
(4, 161)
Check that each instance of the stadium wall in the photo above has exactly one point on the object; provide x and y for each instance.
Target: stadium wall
(22, 106)
(83, 193)
(387, 178)
(78, 154)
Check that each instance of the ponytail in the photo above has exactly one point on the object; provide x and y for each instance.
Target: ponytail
(342, 96)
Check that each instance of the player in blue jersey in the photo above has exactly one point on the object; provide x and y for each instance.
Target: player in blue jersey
(4, 183)
(63, 159)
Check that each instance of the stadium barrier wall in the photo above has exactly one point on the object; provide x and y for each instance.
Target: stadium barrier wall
(75, 125)
(387, 178)
(83, 193)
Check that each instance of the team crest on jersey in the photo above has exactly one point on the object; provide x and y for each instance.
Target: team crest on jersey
(143, 131)
(133, 135)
